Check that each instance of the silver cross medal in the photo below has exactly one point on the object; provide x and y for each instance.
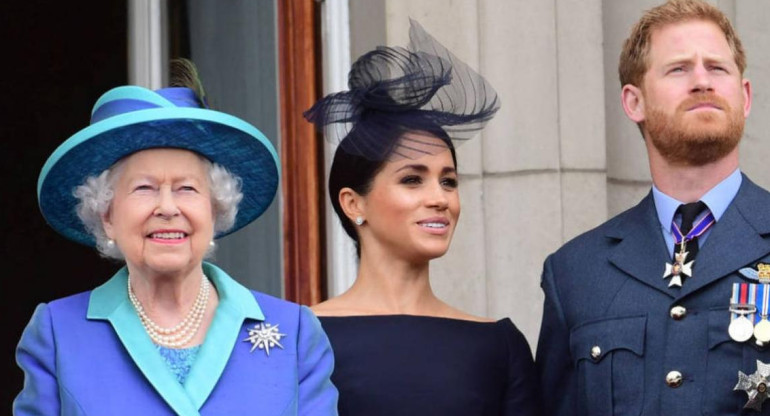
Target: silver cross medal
(755, 385)
(265, 336)
(679, 268)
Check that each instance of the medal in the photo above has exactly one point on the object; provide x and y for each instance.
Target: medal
(762, 326)
(741, 328)
(755, 385)
(762, 330)
(679, 268)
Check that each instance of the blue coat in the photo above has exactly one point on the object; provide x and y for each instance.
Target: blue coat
(88, 354)
(608, 338)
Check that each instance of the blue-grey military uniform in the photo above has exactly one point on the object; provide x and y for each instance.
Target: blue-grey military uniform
(617, 340)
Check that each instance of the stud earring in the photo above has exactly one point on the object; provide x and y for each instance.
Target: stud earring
(110, 243)
(212, 244)
(359, 220)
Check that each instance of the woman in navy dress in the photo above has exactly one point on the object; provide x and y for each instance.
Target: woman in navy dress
(399, 349)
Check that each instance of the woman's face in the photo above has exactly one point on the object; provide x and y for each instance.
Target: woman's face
(413, 205)
(161, 216)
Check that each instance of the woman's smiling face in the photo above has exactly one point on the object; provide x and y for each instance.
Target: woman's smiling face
(161, 216)
(413, 205)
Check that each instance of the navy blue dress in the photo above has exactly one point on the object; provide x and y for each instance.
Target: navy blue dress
(417, 365)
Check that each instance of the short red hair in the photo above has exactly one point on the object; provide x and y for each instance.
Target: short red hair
(634, 56)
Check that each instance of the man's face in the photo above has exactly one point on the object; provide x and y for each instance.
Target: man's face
(694, 98)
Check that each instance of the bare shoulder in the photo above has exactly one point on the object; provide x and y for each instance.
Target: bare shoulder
(454, 313)
(469, 317)
(334, 307)
(321, 309)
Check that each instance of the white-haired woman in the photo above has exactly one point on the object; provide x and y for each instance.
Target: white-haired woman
(152, 182)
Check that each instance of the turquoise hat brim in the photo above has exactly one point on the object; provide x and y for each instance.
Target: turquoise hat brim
(224, 139)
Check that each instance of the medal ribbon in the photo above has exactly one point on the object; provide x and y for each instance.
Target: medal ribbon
(744, 296)
(697, 230)
(763, 292)
(744, 293)
(740, 298)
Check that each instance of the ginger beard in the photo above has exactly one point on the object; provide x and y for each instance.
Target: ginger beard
(696, 138)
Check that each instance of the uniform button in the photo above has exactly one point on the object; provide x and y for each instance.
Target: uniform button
(674, 379)
(596, 352)
(678, 312)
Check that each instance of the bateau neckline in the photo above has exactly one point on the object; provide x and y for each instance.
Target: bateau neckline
(407, 316)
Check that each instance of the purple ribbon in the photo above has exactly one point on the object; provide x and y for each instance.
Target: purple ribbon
(704, 224)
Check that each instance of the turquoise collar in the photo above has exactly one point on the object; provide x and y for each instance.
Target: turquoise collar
(236, 303)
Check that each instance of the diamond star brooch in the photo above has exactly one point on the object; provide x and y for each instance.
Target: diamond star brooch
(265, 336)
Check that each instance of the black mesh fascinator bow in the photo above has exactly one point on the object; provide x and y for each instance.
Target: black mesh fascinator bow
(396, 91)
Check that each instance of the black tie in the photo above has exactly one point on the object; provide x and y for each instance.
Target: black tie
(689, 213)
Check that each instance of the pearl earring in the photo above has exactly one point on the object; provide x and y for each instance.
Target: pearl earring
(359, 220)
(212, 244)
(110, 243)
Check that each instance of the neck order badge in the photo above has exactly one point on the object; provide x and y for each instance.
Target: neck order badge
(681, 267)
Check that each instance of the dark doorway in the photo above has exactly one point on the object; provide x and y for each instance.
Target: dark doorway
(58, 58)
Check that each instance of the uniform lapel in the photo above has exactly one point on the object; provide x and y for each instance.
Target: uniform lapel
(110, 302)
(736, 240)
(641, 251)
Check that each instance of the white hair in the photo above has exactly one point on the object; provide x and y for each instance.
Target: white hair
(96, 194)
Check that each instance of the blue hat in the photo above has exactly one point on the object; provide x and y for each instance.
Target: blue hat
(128, 119)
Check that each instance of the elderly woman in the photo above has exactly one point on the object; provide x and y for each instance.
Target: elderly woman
(152, 182)
(394, 185)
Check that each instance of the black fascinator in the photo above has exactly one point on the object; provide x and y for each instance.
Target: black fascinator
(396, 91)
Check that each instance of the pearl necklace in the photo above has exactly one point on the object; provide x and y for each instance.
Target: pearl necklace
(183, 332)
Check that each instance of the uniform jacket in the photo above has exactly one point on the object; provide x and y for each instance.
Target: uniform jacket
(608, 338)
(88, 354)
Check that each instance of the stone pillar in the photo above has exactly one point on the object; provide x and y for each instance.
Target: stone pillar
(751, 22)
